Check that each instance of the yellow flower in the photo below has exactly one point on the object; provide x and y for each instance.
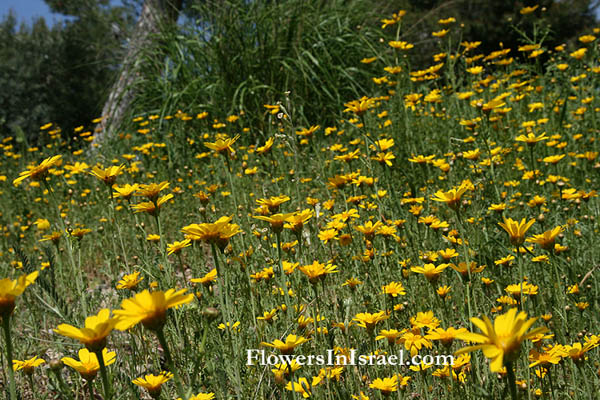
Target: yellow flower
(223, 145)
(528, 10)
(401, 45)
(531, 139)
(414, 342)
(445, 336)
(396, 17)
(452, 197)
(440, 34)
(475, 70)
(151, 190)
(553, 159)
(201, 396)
(153, 237)
(391, 335)
(317, 271)
(302, 386)
(501, 342)
(207, 279)
(153, 383)
(149, 308)
(88, 365)
(359, 107)
(27, 365)
(368, 320)
(79, 233)
(384, 158)
(546, 239)
(425, 320)
(369, 229)
(307, 132)
(276, 220)
(125, 191)
(287, 347)
(577, 351)
(296, 222)
(235, 327)
(93, 335)
(447, 21)
(77, 168)
(516, 230)
(385, 385)
(273, 202)
(219, 232)
(516, 290)
(11, 289)
(176, 247)
(107, 175)
(431, 272)
(552, 355)
(38, 172)
(42, 224)
(130, 281)
(267, 146)
(54, 237)
(578, 54)
(150, 207)
(394, 289)
(268, 316)
(352, 283)
(464, 270)
(443, 291)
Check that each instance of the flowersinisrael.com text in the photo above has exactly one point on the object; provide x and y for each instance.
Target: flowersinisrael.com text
(260, 357)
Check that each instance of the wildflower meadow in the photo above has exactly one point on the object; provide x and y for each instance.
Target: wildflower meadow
(451, 217)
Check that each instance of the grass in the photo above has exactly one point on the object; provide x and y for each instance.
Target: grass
(459, 165)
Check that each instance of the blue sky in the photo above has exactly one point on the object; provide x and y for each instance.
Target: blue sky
(28, 10)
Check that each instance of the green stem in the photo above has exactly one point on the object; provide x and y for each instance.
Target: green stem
(114, 220)
(222, 283)
(90, 390)
(163, 343)
(282, 277)
(532, 158)
(512, 383)
(9, 357)
(163, 251)
(583, 378)
(181, 266)
(104, 375)
(31, 384)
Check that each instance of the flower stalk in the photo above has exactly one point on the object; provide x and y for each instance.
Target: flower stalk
(512, 383)
(103, 375)
(9, 356)
(163, 343)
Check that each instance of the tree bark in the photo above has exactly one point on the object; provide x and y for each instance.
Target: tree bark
(156, 14)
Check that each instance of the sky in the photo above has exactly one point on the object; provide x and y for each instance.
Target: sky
(28, 10)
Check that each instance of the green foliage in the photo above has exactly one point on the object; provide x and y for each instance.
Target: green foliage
(238, 55)
(235, 55)
(61, 73)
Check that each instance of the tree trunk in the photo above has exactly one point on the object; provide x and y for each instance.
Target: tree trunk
(155, 15)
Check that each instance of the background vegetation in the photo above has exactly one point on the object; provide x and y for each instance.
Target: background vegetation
(232, 55)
